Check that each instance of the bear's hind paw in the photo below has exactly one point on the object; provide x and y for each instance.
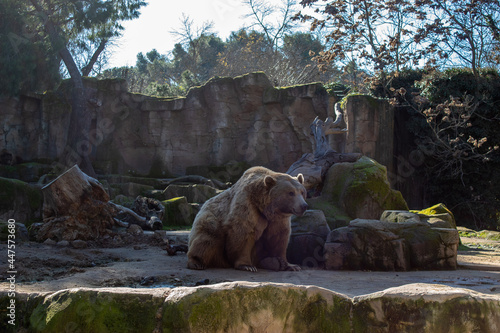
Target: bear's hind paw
(196, 265)
(292, 267)
(248, 268)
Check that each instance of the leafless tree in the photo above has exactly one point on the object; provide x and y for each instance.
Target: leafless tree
(450, 142)
(374, 34)
(274, 20)
(188, 35)
(458, 32)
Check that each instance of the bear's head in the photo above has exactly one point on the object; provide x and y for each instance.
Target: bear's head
(287, 194)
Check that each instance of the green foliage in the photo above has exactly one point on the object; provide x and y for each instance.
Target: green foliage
(475, 196)
(439, 86)
(205, 56)
(452, 118)
(389, 35)
(301, 47)
(337, 89)
(34, 36)
(28, 61)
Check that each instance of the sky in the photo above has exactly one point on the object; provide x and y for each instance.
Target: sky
(152, 29)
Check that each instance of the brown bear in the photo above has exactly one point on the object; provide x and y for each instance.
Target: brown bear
(248, 225)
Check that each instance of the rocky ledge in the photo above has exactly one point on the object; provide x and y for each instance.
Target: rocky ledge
(256, 307)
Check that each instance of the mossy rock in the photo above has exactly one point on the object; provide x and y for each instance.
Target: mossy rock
(439, 211)
(95, 311)
(335, 217)
(246, 307)
(254, 307)
(20, 201)
(486, 234)
(24, 306)
(489, 234)
(415, 308)
(361, 189)
(178, 212)
(355, 97)
(195, 193)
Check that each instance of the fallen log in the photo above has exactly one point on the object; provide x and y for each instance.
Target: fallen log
(198, 180)
(131, 217)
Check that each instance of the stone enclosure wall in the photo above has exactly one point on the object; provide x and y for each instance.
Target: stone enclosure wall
(243, 119)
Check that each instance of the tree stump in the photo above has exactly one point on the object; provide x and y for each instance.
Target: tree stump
(75, 206)
(313, 166)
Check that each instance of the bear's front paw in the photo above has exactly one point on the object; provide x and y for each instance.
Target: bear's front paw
(194, 264)
(292, 267)
(249, 268)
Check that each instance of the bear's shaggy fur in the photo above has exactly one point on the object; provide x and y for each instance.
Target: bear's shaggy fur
(248, 225)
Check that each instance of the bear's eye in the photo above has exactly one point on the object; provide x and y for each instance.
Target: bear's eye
(291, 194)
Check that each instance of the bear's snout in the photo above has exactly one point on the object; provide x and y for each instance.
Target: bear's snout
(302, 209)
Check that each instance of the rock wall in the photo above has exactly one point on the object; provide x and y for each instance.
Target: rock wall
(370, 128)
(242, 119)
(255, 307)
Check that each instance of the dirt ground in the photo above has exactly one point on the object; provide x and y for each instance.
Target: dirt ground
(143, 262)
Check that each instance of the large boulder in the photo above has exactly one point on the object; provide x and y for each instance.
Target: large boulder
(308, 236)
(438, 215)
(178, 212)
(357, 190)
(100, 310)
(431, 308)
(196, 193)
(256, 307)
(435, 217)
(377, 245)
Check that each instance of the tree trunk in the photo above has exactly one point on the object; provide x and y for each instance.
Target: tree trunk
(80, 120)
(75, 206)
(88, 68)
(78, 144)
(314, 166)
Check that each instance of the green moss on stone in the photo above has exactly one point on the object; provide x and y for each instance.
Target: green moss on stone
(351, 184)
(335, 217)
(208, 310)
(438, 210)
(220, 80)
(446, 314)
(316, 315)
(93, 311)
(356, 97)
(488, 234)
(178, 212)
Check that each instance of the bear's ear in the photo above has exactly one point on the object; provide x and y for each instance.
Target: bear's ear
(300, 178)
(269, 181)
